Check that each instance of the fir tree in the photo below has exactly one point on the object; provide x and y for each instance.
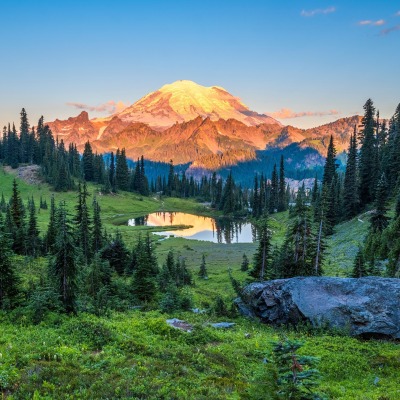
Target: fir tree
(379, 220)
(350, 195)
(203, 268)
(367, 165)
(97, 234)
(9, 281)
(144, 281)
(359, 267)
(63, 268)
(32, 234)
(245, 263)
(87, 162)
(261, 261)
(116, 253)
(282, 201)
(121, 171)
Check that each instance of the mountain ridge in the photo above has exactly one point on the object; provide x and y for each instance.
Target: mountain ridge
(190, 123)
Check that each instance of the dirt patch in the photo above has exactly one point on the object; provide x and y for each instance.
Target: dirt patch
(28, 173)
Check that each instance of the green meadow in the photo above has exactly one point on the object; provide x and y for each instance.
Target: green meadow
(136, 355)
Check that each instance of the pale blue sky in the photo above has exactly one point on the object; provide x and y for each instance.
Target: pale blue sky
(303, 56)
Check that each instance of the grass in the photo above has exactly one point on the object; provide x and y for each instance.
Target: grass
(137, 355)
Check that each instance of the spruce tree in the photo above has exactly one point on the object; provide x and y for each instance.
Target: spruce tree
(203, 268)
(274, 194)
(17, 211)
(63, 267)
(87, 162)
(350, 191)
(245, 263)
(367, 166)
(50, 238)
(121, 171)
(379, 220)
(97, 234)
(282, 201)
(144, 281)
(261, 260)
(32, 234)
(359, 267)
(9, 280)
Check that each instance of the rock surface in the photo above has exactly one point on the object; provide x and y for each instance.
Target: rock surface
(365, 307)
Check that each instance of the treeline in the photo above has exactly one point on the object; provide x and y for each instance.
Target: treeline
(62, 168)
(87, 268)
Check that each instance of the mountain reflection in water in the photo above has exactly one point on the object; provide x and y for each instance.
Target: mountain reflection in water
(202, 228)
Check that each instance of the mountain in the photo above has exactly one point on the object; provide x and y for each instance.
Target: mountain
(205, 126)
(184, 100)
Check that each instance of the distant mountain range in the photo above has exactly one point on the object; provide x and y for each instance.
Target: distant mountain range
(206, 127)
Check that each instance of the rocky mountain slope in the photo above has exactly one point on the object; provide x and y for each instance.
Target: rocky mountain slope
(189, 123)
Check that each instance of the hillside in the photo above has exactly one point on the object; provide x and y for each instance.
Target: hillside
(128, 354)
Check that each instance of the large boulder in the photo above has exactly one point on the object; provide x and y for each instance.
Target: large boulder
(366, 307)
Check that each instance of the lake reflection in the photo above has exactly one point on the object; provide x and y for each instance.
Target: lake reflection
(202, 228)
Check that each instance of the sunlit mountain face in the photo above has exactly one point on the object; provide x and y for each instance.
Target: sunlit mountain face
(206, 127)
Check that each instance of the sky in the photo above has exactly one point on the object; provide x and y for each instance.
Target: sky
(304, 62)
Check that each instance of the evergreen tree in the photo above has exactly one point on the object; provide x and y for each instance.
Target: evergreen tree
(87, 162)
(274, 194)
(245, 263)
(97, 234)
(379, 220)
(32, 234)
(63, 268)
(350, 195)
(17, 212)
(121, 171)
(227, 204)
(297, 375)
(367, 166)
(9, 281)
(282, 202)
(50, 238)
(359, 267)
(144, 281)
(97, 283)
(203, 268)
(83, 224)
(112, 172)
(116, 253)
(261, 261)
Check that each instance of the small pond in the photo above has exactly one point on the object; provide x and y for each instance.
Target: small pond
(220, 230)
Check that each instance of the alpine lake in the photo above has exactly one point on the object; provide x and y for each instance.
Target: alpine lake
(196, 227)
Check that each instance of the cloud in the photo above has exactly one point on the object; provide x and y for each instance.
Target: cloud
(312, 13)
(397, 14)
(286, 113)
(378, 22)
(111, 107)
(385, 32)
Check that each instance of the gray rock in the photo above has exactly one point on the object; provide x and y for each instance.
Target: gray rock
(366, 307)
(223, 325)
(179, 324)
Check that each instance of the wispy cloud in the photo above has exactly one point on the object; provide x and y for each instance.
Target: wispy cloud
(378, 22)
(286, 113)
(397, 14)
(312, 13)
(110, 107)
(395, 28)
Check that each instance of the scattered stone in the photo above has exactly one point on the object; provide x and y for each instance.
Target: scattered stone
(365, 307)
(223, 325)
(179, 324)
(198, 311)
(247, 335)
